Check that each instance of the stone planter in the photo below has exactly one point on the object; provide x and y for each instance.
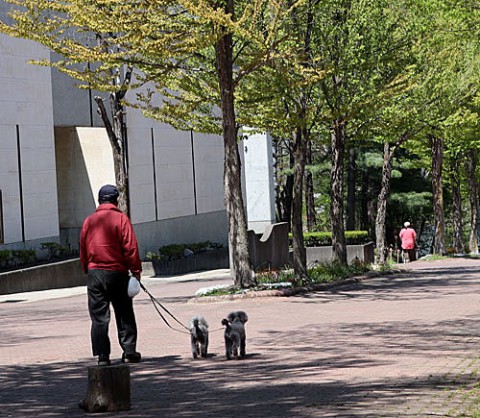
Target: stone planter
(364, 253)
(208, 260)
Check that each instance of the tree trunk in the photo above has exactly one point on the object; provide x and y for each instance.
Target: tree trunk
(471, 167)
(437, 145)
(351, 195)
(288, 201)
(242, 272)
(116, 133)
(336, 189)
(382, 203)
(299, 252)
(309, 193)
(108, 389)
(364, 200)
(457, 206)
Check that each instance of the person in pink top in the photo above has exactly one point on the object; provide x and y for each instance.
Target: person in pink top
(408, 237)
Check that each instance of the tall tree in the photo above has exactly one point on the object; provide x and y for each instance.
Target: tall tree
(192, 56)
(360, 46)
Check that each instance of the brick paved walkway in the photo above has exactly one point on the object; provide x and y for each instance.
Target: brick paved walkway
(402, 345)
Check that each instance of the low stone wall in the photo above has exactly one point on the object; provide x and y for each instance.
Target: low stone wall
(58, 275)
(363, 253)
(208, 260)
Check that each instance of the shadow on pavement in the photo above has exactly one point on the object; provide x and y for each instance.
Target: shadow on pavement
(414, 284)
(260, 385)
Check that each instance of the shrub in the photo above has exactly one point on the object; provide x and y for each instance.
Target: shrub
(54, 249)
(318, 239)
(327, 272)
(276, 276)
(171, 252)
(23, 256)
(176, 251)
(5, 256)
(151, 256)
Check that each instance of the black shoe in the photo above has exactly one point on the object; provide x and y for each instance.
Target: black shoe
(131, 357)
(103, 360)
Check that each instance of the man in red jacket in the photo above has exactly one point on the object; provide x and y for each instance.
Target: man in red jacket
(108, 252)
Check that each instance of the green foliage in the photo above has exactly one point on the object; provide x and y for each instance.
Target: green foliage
(318, 239)
(55, 250)
(5, 256)
(152, 256)
(20, 257)
(433, 257)
(171, 252)
(387, 69)
(328, 272)
(176, 251)
(275, 276)
(286, 278)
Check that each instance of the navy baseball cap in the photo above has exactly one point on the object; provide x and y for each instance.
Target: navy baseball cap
(108, 192)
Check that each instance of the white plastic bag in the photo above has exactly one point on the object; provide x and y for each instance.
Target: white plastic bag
(133, 287)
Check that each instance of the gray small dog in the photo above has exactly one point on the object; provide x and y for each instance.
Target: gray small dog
(235, 337)
(199, 336)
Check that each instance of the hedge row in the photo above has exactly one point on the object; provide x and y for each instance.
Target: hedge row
(318, 239)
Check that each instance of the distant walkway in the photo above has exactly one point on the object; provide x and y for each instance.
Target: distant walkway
(403, 345)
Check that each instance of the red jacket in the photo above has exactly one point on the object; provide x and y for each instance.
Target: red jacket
(108, 242)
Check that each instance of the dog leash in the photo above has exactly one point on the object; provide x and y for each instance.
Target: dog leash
(155, 302)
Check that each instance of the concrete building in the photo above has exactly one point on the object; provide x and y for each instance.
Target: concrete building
(54, 156)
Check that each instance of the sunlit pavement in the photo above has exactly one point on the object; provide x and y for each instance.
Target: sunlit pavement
(402, 344)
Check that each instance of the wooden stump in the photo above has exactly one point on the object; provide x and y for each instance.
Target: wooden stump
(108, 389)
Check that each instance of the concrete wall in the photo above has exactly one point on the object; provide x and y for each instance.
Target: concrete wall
(176, 182)
(172, 173)
(259, 190)
(27, 149)
(211, 226)
(176, 178)
(52, 276)
(84, 163)
(325, 254)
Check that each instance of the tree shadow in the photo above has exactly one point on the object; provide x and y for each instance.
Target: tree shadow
(411, 285)
(292, 376)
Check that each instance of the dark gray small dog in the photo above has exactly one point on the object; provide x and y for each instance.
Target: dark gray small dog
(235, 337)
(199, 336)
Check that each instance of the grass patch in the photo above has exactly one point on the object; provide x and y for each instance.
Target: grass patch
(285, 278)
(330, 272)
(434, 257)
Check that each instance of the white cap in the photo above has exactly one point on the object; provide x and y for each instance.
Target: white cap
(406, 224)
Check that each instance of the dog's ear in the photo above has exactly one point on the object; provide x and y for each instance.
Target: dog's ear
(225, 321)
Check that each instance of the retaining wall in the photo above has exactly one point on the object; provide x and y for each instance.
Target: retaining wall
(58, 275)
(363, 253)
(208, 260)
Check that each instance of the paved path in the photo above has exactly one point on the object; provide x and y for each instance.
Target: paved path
(402, 345)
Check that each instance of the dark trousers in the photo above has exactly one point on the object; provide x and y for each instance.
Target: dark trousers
(105, 287)
(409, 255)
